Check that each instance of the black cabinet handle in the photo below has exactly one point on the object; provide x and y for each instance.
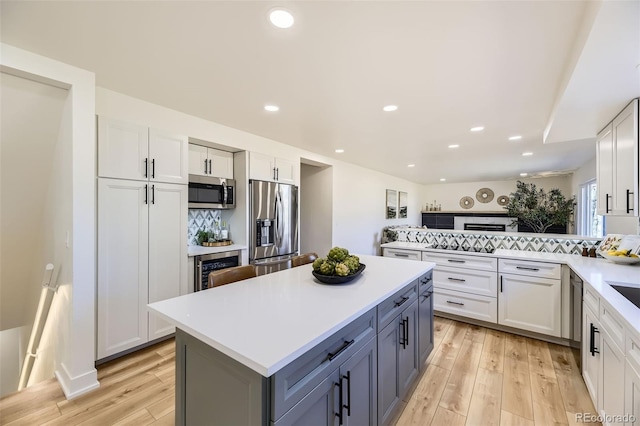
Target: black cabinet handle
(277, 173)
(274, 174)
(524, 268)
(427, 295)
(592, 340)
(400, 255)
(348, 406)
(210, 168)
(146, 194)
(456, 261)
(345, 345)
(500, 283)
(153, 194)
(629, 209)
(606, 208)
(425, 280)
(406, 333)
(456, 279)
(403, 340)
(146, 167)
(153, 168)
(339, 413)
(404, 299)
(205, 166)
(455, 303)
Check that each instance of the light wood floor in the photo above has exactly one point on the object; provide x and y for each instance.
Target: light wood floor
(475, 376)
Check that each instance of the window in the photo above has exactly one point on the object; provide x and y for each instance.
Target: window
(590, 224)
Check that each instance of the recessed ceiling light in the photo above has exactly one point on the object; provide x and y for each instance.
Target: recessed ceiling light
(339, 151)
(389, 108)
(454, 146)
(477, 129)
(523, 174)
(272, 108)
(442, 179)
(411, 165)
(527, 154)
(281, 18)
(515, 138)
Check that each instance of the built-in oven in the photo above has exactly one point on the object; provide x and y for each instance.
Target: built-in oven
(207, 192)
(207, 263)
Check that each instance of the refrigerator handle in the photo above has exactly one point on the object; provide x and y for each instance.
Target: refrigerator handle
(276, 233)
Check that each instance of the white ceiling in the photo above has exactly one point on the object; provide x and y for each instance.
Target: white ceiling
(515, 67)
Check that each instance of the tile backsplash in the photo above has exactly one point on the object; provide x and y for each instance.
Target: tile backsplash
(200, 219)
(569, 244)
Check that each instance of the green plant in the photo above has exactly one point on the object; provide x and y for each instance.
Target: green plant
(202, 236)
(539, 209)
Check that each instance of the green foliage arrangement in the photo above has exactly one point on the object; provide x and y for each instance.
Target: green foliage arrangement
(539, 209)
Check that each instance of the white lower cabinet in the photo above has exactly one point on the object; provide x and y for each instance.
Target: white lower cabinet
(142, 258)
(530, 303)
(468, 305)
(609, 372)
(401, 254)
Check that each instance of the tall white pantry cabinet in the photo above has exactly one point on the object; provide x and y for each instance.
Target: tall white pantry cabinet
(142, 231)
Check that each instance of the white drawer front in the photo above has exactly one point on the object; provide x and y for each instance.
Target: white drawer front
(613, 324)
(484, 283)
(530, 268)
(466, 305)
(471, 261)
(591, 299)
(633, 351)
(402, 254)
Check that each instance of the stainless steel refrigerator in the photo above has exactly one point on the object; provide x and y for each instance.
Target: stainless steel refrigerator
(274, 225)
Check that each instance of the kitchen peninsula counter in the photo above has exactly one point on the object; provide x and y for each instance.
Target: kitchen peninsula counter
(266, 322)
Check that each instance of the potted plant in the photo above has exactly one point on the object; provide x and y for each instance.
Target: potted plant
(539, 209)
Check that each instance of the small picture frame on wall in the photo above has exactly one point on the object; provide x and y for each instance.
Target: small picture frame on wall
(402, 204)
(392, 203)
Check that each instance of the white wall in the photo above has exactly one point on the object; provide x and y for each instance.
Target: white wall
(358, 193)
(449, 194)
(613, 224)
(75, 333)
(316, 209)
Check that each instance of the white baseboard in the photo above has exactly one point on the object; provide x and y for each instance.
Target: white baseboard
(73, 387)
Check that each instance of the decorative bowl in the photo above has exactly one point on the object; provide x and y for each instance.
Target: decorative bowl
(337, 279)
(620, 259)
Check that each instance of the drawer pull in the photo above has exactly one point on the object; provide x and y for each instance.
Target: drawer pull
(425, 281)
(404, 299)
(456, 261)
(525, 268)
(592, 340)
(456, 279)
(427, 295)
(400, 255)
(455, 303)
(345, 345)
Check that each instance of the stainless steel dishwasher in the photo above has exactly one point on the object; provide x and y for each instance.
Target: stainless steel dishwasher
(575, 296)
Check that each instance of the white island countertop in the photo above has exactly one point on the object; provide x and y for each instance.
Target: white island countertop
(269, 321)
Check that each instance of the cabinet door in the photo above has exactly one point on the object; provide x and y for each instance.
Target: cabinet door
(286, 171)
(425, 323)
(168, 157)
(261, 167)
(221, 163)
(359, 386)
(319, 407)
(198, 160)
(530, 303)
(167, 248)
(122, 265)
(408, 349)
(604, 170)
(625, 142)
(611, 392)
(388, 385)
(122, 149)
(632, 395)
(591, 353)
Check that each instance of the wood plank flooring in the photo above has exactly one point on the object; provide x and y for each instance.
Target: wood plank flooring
(475, 376)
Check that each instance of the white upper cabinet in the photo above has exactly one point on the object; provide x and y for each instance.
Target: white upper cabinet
(131, 151)
(205, 161)
(617, 164)
(275, 169)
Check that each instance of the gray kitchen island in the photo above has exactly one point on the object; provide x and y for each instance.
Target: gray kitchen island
(285, 349)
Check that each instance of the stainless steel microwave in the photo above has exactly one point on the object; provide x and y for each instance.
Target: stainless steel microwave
(206, 192)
